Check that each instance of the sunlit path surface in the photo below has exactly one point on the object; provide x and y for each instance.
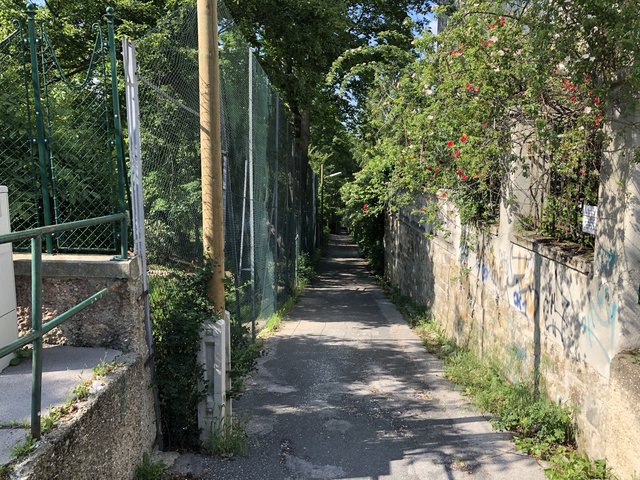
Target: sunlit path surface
(346, 391)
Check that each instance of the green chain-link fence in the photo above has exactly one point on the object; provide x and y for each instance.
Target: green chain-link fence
(60, 142)
(263, 194)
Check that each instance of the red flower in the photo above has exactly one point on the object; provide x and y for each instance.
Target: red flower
(464, 178)
(444, 194)
(587, 78)
(463, 139)
(449, 144)
(573, 99)
(582, 171)
(365, 207)
(598, 122)
(422, 209)
(596, 101)
(477, 89)
(456, 153)
(469, 86)
(491, 27)
(437, 169)
(564, 81)
(502, 20)
(459, 171)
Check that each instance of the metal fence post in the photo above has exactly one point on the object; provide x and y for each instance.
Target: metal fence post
(252, 234)
(137, 207)
(36, 327)
(40, 132)
(117, 124)
(276, 199)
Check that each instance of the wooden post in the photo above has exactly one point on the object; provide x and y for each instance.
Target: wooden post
(210, 148)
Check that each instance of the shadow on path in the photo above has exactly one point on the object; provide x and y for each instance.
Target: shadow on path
(346, 391)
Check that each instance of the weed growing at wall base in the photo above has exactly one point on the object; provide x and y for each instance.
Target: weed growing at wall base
(5, 471)
(229, 437)
(149, 470)
(542, 428)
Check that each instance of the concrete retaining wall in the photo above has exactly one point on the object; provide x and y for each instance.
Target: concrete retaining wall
(106, 438)
(115, 321)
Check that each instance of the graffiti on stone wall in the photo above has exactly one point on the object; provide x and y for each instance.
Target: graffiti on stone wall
(556, 310)
(520, 281)
(515, 272)
(517, 363)
(598, 328)
(585, 325)
(579, 314)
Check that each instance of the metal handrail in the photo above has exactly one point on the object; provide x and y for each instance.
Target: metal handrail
(38, 330)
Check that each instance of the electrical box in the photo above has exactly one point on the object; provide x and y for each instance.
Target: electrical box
(8, 319)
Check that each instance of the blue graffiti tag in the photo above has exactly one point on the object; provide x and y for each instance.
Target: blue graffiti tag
(519, 302)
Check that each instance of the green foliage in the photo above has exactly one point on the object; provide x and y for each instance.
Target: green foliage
(19, 356)
(81, 391)
(229, 437)
(542, 428)
(104, 368)
(178, 309)
(507, 88)
(148, 469)
(365, 199)
(5, 471)
(244, 355)
(567, 464)
(23, 448)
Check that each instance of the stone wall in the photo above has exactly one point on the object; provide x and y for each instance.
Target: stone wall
(108, 435)
(115, 321)
(538, 307)
(106, 438)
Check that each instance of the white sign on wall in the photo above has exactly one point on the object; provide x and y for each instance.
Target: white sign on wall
(589, 219)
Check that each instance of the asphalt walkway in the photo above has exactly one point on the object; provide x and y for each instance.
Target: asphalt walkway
(346, 391)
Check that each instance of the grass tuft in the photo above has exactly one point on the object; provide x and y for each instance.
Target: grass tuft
(229, 438)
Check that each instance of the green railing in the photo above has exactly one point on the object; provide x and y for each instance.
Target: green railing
(38, 329)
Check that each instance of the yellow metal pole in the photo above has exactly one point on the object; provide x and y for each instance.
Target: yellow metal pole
(210, 148)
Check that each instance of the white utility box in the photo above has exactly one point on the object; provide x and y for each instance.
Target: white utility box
(8, 319)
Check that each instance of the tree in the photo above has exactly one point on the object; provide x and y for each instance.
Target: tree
(298, 41)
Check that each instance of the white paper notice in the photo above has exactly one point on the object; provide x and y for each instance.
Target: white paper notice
(589, 219)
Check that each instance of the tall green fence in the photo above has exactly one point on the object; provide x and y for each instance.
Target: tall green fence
(61, 149)
(265, 200)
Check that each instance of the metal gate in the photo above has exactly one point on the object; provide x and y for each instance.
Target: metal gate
(61, 147)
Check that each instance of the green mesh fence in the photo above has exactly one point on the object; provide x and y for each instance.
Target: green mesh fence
(264, 199)
(57, 138)
(19, 169)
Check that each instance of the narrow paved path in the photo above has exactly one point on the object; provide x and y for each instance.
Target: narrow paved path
(346, 391)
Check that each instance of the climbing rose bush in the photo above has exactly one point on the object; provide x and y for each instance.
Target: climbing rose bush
(518, 88)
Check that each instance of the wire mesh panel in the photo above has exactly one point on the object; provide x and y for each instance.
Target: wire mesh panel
(80, 146)
(262, 176)
(18, 152)
(170, 136)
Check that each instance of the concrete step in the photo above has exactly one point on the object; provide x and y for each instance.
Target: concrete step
(63, 368)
